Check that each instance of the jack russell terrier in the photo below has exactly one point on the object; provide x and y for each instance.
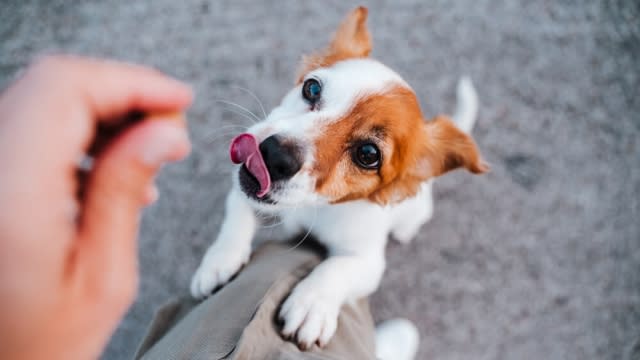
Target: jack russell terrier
(348, 155)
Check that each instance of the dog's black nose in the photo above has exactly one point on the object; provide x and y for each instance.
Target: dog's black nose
(282, 157)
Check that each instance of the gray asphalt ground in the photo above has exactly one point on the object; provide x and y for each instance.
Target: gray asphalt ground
(539, 259)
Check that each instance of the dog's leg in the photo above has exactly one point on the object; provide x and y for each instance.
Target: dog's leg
(310, 313)
(412, 214)
(231, 249)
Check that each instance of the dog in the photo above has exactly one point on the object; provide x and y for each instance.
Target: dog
(348, 155)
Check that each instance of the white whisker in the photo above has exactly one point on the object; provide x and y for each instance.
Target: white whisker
(252, 95)
(228, 126)
(253, 117)
(218, 134)
(313, 223)
(214, 137)
(244, 115)
(272, 225)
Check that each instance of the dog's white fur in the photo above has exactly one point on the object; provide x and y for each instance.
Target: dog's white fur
(355, 233)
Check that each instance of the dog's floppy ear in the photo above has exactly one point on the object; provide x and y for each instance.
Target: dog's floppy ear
(447, 148)
(440, 147)
(351, 40)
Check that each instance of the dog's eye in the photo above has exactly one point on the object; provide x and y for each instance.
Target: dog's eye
(367, 156)
(311, 91)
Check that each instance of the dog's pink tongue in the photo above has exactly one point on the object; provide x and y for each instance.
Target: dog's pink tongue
(245, 150)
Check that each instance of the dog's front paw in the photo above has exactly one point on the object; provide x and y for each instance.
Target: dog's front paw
(217, 267)
(310, 316)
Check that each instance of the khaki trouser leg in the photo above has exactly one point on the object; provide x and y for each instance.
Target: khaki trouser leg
(238, 322)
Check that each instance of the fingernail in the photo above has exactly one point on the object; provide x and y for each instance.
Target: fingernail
(166, 142)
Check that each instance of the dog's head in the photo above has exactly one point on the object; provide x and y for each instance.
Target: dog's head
(350, 129)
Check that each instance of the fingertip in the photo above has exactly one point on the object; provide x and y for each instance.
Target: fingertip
(162, 142)
(187, 92)
(180, 94)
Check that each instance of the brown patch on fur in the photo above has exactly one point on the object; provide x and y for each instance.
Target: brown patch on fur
(351, 40)
(449, 148)
(412, 151)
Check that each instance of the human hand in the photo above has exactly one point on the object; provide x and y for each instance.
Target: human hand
(68, 267)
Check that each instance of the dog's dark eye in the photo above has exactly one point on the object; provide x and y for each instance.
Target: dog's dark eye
(367, 156)
(311, 91)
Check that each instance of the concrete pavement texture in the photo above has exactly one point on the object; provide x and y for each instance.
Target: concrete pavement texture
(539, 259)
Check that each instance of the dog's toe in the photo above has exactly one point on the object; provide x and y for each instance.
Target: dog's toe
(310, 317)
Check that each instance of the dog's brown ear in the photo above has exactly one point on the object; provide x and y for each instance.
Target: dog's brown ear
(351, 40)
(440, 147)
(447, 148)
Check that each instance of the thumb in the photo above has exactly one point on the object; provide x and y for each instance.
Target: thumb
(115, 194)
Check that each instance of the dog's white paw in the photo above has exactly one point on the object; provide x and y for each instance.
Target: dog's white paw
(217, 267)
(310, 316)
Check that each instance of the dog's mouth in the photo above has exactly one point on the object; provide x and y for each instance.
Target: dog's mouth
(252, 187)
(254, 175)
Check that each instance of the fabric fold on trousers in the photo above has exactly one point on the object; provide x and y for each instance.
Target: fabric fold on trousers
(239, 321)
